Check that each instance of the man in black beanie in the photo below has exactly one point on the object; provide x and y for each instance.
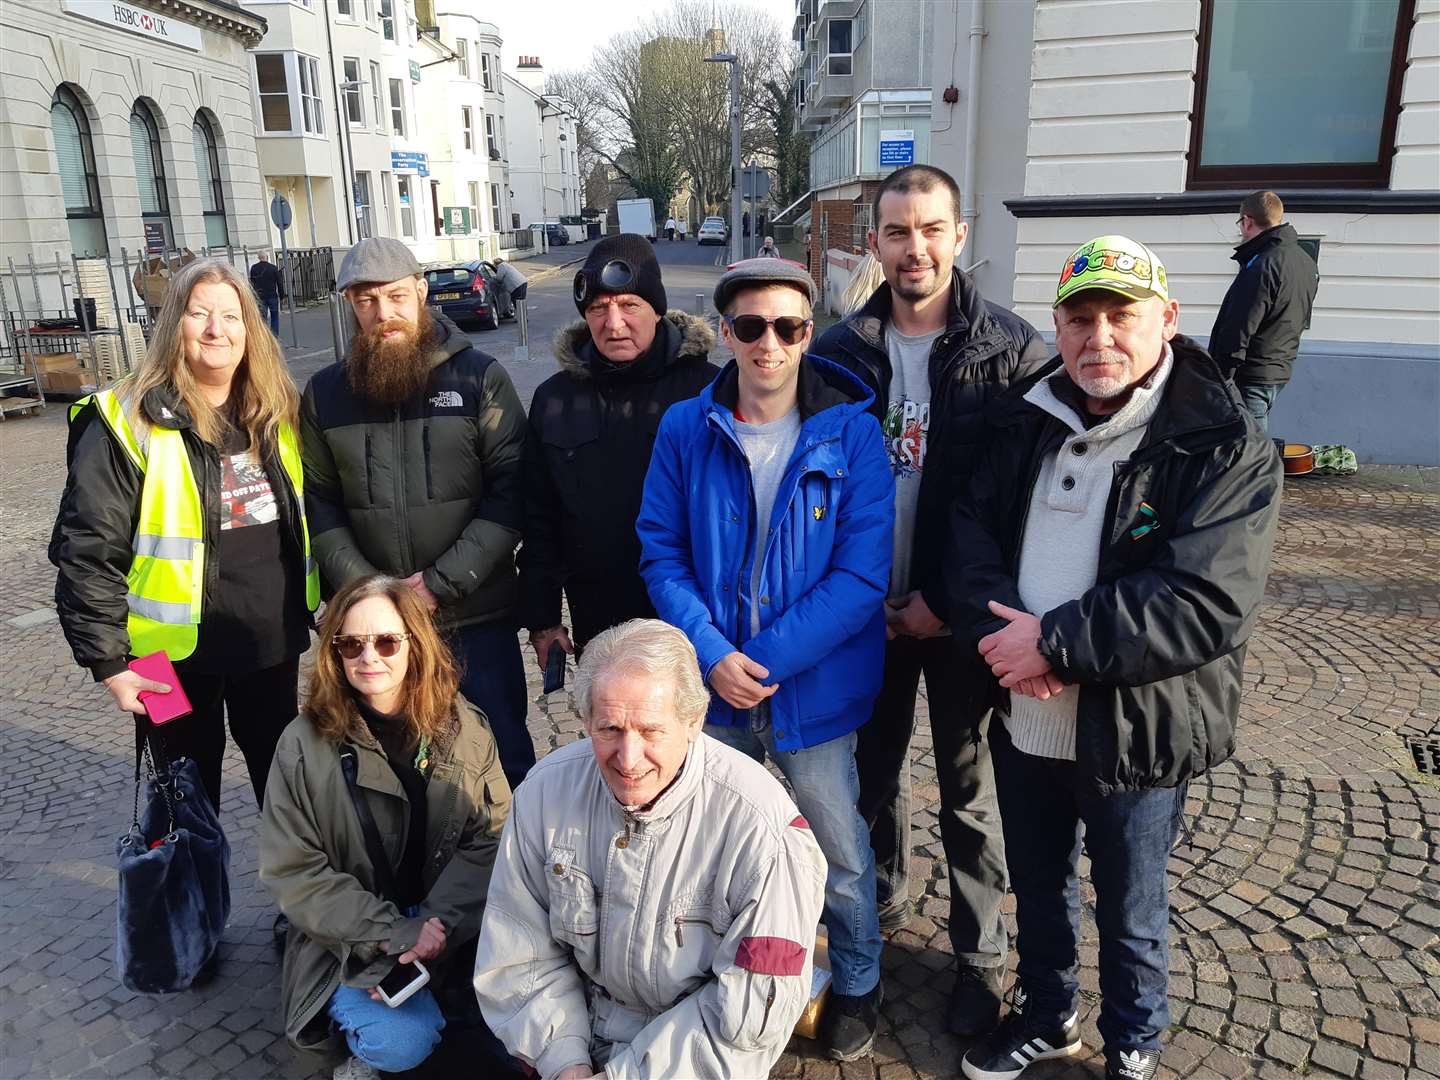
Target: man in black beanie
(592, 426)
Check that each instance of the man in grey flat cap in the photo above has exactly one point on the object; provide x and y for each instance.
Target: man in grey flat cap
(413, 448)
(765, 530)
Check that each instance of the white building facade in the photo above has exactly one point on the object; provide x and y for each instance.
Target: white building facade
(127, 127)
(544, 170)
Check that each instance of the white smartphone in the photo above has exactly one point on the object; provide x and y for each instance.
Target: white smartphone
(402, 983)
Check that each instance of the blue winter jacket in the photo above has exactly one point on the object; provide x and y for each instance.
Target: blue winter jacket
(827, 561)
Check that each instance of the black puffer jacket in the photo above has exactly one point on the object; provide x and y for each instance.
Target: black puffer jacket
(433, 486)
(92, 542)
(1258, 327)
(1157, 646)
(592, 430)
(984, 350)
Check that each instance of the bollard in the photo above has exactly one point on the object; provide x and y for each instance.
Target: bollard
(699, 303)
(522, 320)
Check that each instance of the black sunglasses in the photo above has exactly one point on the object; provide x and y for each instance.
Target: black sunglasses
(615, 276)
(751, 328)
(350, 646)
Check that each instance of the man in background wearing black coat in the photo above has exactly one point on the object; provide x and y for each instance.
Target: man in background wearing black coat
(269, 288)
(592, 428)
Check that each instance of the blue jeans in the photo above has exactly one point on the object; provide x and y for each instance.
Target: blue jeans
(1259, 400)
(827, 789)
(391, 1040)
(1128, 837)
(492, 678)
(271, 304)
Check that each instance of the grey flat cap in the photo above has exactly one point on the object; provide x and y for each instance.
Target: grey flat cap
(765, 271)
(376, 259)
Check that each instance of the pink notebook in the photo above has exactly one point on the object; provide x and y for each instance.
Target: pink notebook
(162, 708)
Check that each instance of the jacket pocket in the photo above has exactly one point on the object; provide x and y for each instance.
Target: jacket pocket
(689, 935)
(574, 908)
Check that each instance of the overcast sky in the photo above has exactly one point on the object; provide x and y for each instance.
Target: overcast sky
(563, 33)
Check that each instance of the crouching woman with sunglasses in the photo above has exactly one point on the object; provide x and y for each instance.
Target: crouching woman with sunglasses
(382, 817)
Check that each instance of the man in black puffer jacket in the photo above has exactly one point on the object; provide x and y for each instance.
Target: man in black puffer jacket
(592, 428)
(1108, 559)
(413, 454)
(935, 353)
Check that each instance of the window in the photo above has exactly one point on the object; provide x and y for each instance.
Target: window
(1319, 112)
(364, 220)
(354, 104)
(462, 51)
(839, 61)
(499, 81)
(375, 103)
(495, 207)
(212, 194)
(862, 23)
(467, 124)
(387, 19)
(474, 206)
(150, 180)
(385, 200)
(485, 70)
(490, 137)
(311, 105)
(397, 107)
(407, 209)
(369, 11)
(345, 9)
(274, 92)
(75, 152)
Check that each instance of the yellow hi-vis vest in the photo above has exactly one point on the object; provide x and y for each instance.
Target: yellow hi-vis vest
(166, 581)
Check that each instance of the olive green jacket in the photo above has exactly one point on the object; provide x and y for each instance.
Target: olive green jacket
(314, 862)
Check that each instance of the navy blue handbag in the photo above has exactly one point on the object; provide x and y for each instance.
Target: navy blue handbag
(174, 872)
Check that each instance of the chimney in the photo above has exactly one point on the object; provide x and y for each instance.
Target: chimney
(531, 74)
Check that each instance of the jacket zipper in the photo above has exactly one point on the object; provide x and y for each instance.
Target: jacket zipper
(369, 468)
(681, 921)
(429, 482)
(402, 533)
(769, 1002)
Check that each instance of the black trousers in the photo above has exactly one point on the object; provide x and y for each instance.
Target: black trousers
(969, 813)
(259, 705)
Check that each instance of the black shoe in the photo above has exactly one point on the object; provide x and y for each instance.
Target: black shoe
(1123, 1064)
(847, 1030)
(280, 930)
(975, 1001)
(1017, 1044)
(894, 917)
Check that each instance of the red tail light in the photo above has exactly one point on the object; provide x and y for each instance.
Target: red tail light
(477, 284)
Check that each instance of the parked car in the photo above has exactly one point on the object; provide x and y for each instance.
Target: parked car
(555, 233)
(713, 230)
(467, 293)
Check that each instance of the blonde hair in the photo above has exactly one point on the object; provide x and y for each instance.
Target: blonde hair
(431, 676)
(644, 647)
(868, 277)
(262, 393)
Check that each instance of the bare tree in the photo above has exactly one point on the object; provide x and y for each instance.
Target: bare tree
(579, 91)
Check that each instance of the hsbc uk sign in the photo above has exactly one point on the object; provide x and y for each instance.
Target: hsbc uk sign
(137, 20)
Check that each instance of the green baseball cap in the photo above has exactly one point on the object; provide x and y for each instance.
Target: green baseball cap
(1116, 263)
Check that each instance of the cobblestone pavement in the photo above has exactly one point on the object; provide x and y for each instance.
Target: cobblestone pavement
(1306, 895)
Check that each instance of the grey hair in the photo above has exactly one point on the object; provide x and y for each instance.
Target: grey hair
(644, 647)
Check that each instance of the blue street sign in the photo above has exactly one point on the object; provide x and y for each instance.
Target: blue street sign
(897, 148)
(409, 161)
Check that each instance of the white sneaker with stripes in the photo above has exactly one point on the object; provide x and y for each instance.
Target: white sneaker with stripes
(1017, 1044)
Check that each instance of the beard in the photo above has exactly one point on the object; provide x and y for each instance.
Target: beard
(925, 287)
(1104, 387)
(391, 371)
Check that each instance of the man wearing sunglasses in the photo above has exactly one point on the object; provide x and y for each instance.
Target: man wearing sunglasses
(592, 426)
(934, 351)
(766, 529)
(413, 449)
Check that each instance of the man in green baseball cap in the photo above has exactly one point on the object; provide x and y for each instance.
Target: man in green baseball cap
(1107, 561)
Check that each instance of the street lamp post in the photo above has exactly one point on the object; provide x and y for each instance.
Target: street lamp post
(346, 87)
(734, 62)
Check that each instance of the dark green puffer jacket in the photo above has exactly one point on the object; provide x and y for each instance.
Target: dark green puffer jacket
(433, 486)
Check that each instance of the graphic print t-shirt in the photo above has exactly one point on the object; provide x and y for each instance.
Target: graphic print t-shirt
(907, 432)
(250, 621)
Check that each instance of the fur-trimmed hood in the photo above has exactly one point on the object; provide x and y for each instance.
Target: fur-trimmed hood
(696, 338)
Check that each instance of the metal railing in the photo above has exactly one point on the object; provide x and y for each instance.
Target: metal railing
(517, 239)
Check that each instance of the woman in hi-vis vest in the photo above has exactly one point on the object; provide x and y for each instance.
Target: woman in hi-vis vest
(182, 526)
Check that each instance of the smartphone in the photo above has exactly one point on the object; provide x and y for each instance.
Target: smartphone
(554, 668)
(402, 982)
(162, 708)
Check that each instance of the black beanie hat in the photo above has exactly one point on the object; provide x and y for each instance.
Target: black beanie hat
(644, 281)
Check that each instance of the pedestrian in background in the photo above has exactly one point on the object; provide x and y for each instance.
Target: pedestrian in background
(413, 457)
(265, 279)
(182, 527)
(1107, 558)
(592, 428)
(1257, 330)
(670, 228)
(386, 728)
(934, 352)
(766, 528)
(768, 250)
